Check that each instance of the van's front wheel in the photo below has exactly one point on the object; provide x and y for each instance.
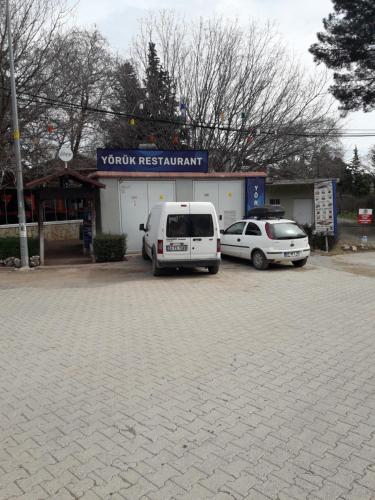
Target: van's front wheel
(155, 268)
(213, 269)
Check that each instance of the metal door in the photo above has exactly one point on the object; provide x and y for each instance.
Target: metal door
(134, 211)
(159, 191)
(231, 202)
(207, 191)
(303, 211)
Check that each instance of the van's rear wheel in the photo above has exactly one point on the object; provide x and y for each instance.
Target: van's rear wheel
(299, 263)
(156, 271)
(213, 269)
(144, 254)
(259, 260)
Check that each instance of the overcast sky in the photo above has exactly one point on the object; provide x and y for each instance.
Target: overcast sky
(297, 21)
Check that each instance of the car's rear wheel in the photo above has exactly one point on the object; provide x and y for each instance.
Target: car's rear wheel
(156, 271)
(300, 263)
(259, 260)
(213, 269)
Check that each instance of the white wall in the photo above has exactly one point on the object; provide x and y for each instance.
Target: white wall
(287, 195)
(109, 207)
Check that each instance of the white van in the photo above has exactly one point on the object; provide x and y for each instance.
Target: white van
(182, 234)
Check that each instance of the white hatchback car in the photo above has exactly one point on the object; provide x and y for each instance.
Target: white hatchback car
(266, 240)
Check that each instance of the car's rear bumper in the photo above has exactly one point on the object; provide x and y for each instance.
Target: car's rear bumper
(304, 253)
(188, 263)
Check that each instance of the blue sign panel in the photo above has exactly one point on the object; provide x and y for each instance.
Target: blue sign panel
(151, 160)
(255, 192)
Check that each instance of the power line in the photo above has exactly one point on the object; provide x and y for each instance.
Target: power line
(348, 133)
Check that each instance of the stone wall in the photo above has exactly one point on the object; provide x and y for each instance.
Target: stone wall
(53, 231)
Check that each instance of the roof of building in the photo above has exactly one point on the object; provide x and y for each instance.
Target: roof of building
(64, 172)
(180, 175)
(295, 182)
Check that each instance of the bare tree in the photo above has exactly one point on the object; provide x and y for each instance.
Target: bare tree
(246, 100)
(83, 72)
(35, 24)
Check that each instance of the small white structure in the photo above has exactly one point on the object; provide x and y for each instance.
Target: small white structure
(129, 197)
(296, 196)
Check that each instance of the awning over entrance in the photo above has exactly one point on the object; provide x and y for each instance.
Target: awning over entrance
(64, 184)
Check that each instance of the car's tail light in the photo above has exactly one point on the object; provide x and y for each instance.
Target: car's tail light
(160, 247)
(218, 245)
(269, 230)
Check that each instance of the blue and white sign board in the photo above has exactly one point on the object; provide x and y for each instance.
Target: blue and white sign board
(151, 160)
(255, 192)
(325, 207)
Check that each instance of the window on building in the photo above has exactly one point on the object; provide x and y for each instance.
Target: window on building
(275, 201)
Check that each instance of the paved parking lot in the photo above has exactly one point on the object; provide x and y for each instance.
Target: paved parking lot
(246, 384)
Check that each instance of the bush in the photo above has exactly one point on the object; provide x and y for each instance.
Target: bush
(10, 247)
(109, 247)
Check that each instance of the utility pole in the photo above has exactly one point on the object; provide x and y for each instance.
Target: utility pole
(17, 149)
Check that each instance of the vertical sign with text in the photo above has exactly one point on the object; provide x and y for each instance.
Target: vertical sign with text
(325, 207)
(255, 192)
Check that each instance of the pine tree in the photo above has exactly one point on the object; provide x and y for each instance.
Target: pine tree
(348, 46)
(160, 103)
(356, 180)
(372, 158)
(127, 97)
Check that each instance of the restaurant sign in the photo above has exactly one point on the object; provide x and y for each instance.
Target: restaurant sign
(151, 160)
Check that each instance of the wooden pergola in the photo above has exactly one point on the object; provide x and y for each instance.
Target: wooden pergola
(63, 184)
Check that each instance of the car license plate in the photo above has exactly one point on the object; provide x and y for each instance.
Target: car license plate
(176, 247)
(292, 254)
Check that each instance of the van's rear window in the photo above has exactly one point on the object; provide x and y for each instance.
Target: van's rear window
(201, 225)
(178, 226)
(190, 226)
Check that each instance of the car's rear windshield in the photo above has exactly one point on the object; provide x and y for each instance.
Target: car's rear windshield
(287, 231)
(190, 226)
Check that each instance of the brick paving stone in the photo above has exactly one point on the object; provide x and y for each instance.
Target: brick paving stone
(189, 478)
(359, 493)
(187, 386)
(196, 492)
(243, 484)
(368, 480)
(216, 481)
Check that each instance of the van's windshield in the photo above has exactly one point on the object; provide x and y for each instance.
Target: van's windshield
(190, 226)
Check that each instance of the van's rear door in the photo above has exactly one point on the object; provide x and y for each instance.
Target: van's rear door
(203, 233)
(177, 233)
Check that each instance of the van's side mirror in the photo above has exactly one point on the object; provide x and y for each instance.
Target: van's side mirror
(222, 231)
(142, 227)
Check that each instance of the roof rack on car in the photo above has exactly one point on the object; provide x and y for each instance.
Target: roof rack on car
(266, 212)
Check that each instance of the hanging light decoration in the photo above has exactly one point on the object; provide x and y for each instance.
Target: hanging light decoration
(49, 128)
(131, 122)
